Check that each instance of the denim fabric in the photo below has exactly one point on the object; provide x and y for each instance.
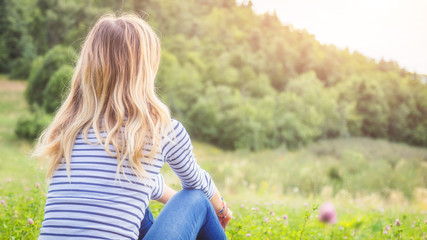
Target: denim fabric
(188, 215)
(146, 223)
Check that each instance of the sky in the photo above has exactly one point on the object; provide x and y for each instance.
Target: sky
(389, 29)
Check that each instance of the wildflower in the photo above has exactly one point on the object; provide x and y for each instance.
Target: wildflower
(266, 220)
(37, 185)
(9, 180)
(286, 222)
(248, 235)
(385, 232)
(285, 217)
(387, 228)
(305, 204)
(242, 206)
(271, 213)
(341, 228)
(277, 218)
(397, 222)
(327, 213)
(3, 202)
(30, 221)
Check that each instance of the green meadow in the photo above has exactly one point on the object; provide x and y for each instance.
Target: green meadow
(274, 194)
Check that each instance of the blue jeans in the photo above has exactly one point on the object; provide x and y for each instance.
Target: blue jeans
(187, 215)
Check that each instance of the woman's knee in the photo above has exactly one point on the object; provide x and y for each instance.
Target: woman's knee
(194, 196)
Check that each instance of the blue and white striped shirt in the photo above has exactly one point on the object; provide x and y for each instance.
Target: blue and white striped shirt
(92, 204)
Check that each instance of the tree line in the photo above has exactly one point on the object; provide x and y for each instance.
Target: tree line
(234, 78)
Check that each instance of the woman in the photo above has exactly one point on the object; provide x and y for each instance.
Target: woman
(108, 142)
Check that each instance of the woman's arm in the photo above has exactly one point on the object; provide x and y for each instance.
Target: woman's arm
(179, 155)
(167, 194)
(221, 208)
(181, 159)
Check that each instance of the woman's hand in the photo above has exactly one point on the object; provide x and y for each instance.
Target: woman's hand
(224, 220)
(225, 216)
(223, 213)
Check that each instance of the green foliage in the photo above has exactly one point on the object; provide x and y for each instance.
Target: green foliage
(260, 187)
(353, 166)
(15, 40)
(22, 212)
(20, 208)
(31, 125)
(417, 121)
(57, 88)
(307, 111)
(43, 70)
(277, 85)
(183, 83)
(372, 106)
(20, 68)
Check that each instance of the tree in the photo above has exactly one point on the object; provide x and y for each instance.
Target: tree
(43, 69)
(57, 88)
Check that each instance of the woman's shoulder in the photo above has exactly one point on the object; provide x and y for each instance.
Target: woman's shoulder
(177, 133)
(177, 126)
(175, 122)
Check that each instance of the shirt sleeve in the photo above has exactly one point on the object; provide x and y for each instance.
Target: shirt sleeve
(158, 187)
(180, 157)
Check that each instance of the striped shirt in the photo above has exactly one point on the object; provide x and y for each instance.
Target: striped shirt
(92, 204)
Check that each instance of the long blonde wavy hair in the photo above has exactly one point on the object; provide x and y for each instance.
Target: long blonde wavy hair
(112, 90)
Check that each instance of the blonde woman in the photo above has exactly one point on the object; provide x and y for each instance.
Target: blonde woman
(108, 142)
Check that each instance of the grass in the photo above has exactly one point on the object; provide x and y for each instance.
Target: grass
(14, 161)
(370, 182)
(287, 219)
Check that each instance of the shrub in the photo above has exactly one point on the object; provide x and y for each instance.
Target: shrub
(56, 88)
(30, 126)
(42, 70)
(20, 68)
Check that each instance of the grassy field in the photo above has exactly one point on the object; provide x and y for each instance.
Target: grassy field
(13, 151)
(274, 194)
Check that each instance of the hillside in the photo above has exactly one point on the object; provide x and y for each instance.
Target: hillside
(359, 166)
(274, 194)
(238, 80)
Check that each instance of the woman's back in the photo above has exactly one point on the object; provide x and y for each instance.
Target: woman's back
(93, 204)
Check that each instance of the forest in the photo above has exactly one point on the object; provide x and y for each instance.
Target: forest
(236, 79)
